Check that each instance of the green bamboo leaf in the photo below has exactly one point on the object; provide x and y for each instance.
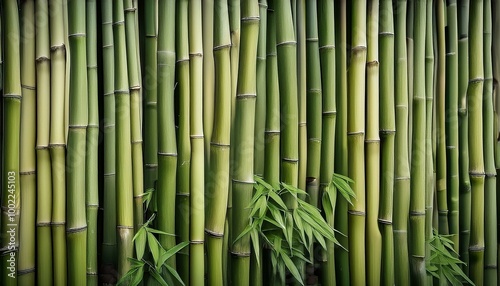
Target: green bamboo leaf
(259, 192)
(317, 223)
(293, 190)
(319, 239)
(247, 229)
(278, 200)
(138, 276)
(166, 254)
(175, 274)
(261, 203)
(291, 267)
(140, 242)
(152, 230)
(299, 254)
(254, 234)
(299, 225)
(327, 204)
(289, 229)
(158, 277)
(277, 217)
(273, 222)
(153, 247)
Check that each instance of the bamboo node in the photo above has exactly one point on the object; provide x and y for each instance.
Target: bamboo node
(131, 9)
(196, 241)
(180, 61)
(272, 132)
(242, 182)
(329, 113)
(290, 160)
(12, 96)
(357, 213)
(373, 63)
(386, 33)
(246, 95)
(197, 136)
(42, 147)
(135, 88)
(385, 221)
(150, 166)
(222, 145)
(42, 224)
(27, 173)
(28, 87)
(187, 195)
(476, 174)
(121, 22)
(123, 92)
(476, 248)
(55, 48)
(25, 271)
(327, 47)
(91, 67)
(293, 43)
(263, 5)
(196, 55)
(476, 80)
(313, 39)
(358, 49)
(490, 266)
(417, 213)
(250, 19)
(214, 233)
(77, 229)
(240, 254)
(387, 131)
(490, 175)
(42, 59)
(139, 141)
(220, 47)
(314, 90)
(167, 154)
(77, 35)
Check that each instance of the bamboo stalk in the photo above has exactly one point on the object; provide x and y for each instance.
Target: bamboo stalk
(375, 167)
(27, 158)
(65, 26)
(183, 139)
(355, 138)
(387, 135)
(410, 59)
(299, 20)
(490, 188)
(463, 158)
(242, 180)
(218, 187)
(496, 99)
(417, 191)
(476, 155)
(401, 167)
(58, 86)
(208, 77)
(76, 230)
(124, 181)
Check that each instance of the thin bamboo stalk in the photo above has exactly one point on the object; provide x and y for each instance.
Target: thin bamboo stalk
(341, 149)
(183, 139)
(476, 155)
(410, 59)
(299, 20)
(218, 187)
(463, 158)
(417, 191)
(124, 181)
(356, 137)
(387, 135)
(208, 77)
(374, 167)
(490, 188)
(68, 63)
(58, 101)
(76, 230)
(401, 167)
(27, 158)
(242, 180)
(197, 181)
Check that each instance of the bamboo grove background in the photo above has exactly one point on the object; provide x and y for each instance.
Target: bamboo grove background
(105, 100)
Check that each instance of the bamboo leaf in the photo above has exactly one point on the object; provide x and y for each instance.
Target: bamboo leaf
(138, 276)
(291, 267)
(153, 247)
(152, 230)
(158, 278)
(293, 190)
(261, 181)
(140, 243)
(166, 254)
(254, 234)
(247, 229)
(175, 274)
(278, 200)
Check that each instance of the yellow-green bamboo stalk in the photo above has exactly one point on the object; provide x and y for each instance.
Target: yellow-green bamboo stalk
(135, 110)
(417, 192)
(109, 196)
(341, 149)
(44, 184)
(208, 77)
(58, 101)
(242, 180)
(76, 230)
(356, 137)
(218, 187)
(299, 20)
(401, 167)
(375, 168)
(183, 139)
(496, 99)
(410, 59)
(68, 63)
(387, 135)
(490, 188)
(27, 164)
(197, 181)
(476, 155)
(124, 181)
(463, 81)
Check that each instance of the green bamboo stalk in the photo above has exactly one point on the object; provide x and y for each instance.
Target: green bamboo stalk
(208, 77)
(451, 106)
(135, 111)
(375, 168)
(218, 187)
(12, 97)
(58, 101)
(183, 139)
(417, 191)
(356, 138)
(197, 181)
(463, 158)
(401, 164)
(242, 184)
(441, 163)
(109, 216)
(476, 163)
(92, 186)
(27, 159)
(341, 150)
(124, 181)
(68, 63)
(490, 188)
(76, 230)
(387, 135)
(496, 99)
(299, 20)
(410, 59)
(167, 147)
(44, 184)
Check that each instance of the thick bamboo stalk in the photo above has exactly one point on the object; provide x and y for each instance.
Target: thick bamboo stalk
(463, 158)
(76, 229)
(341, 163)
(496, 100)
(124, 181)
(476, 153)
(355, 138)
(208, 77)
(183, 139)
(417, 191)
(387, 135)
(12, 96)
(490, 188)
(92, 186)
(109, 196)
(299, 20)
(242, 180)
(27, 163)
(218, 187)
(58, 101)
(197, 181)
(135, 111)
(401, 164)
(375, 174)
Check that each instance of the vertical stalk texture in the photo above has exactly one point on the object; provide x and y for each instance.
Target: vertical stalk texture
(208, 77)
(299, 20)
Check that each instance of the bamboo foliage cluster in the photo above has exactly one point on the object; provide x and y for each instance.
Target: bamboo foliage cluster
(117, 111)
